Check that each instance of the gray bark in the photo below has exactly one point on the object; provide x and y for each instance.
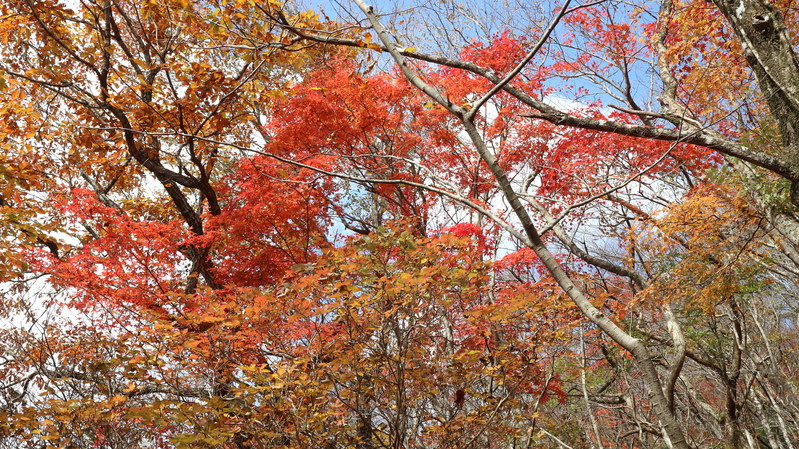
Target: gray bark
(672, 430)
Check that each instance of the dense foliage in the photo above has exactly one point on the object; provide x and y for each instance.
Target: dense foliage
(245, 224)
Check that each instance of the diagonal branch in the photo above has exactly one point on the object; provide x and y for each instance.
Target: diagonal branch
(510, 76)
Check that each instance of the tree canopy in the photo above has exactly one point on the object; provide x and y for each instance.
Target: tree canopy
(235, 224)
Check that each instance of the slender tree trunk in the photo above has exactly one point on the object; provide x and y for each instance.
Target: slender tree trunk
(672, 431)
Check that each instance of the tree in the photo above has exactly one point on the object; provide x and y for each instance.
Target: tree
(403, 345)
(152, 264)
(594, 47)
(178, 169)
(118, 201)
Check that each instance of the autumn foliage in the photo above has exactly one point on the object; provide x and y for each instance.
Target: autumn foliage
(247, 225)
